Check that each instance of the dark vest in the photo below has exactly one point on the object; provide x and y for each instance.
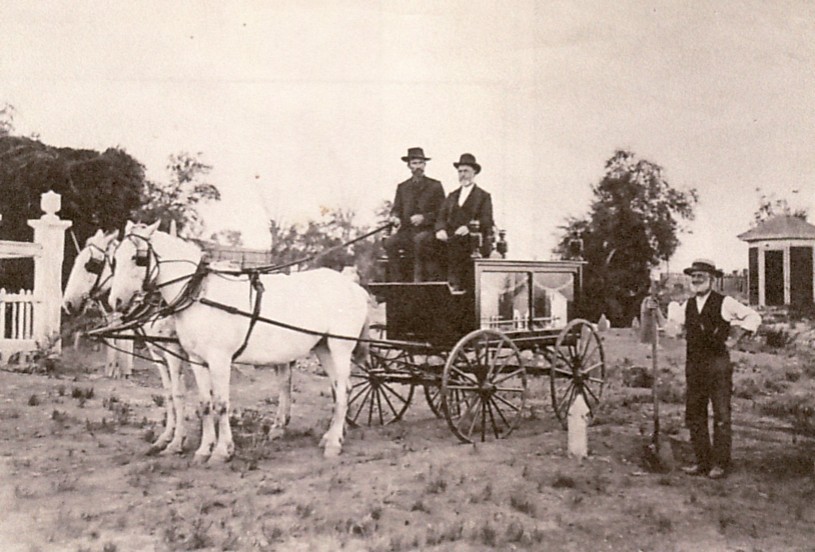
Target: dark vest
(707, 331)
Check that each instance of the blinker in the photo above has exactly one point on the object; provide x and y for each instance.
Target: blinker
(142, 258)
(95, 266)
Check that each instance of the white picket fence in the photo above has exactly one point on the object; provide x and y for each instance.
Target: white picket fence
(31, 318)
(17, 322)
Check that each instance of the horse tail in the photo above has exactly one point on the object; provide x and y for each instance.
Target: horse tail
(361, 349)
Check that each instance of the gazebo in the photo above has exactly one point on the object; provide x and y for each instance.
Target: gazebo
(780, 270)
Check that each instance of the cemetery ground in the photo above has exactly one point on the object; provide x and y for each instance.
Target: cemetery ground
(74, 475)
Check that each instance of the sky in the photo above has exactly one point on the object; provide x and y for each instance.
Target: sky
(300, 105)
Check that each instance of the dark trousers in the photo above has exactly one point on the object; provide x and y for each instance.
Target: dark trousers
(459, 252)
(709, 380)
(408, 258)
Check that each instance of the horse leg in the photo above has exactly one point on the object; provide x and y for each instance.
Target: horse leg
(169, 425)
(176, 446)
(335, 357)
(220, 370)
(205, 407)
(283, 414)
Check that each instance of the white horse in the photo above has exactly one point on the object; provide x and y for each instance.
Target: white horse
(90, 278)
(329, 307)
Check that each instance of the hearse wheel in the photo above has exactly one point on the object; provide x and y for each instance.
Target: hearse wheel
(578, 367)
(483, 386)
(381, 388)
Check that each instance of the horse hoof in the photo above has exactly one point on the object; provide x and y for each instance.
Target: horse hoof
(218, 459)
(200, 458)
(332, 451)
(172, 449)
(154, 449)
(276, 433)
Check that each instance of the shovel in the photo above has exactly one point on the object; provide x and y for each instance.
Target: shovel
(658, 456)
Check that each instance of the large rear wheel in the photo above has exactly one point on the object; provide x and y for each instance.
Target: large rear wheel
(483, 386)
(577, 368)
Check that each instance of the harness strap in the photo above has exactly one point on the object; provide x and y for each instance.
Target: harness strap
(257, 285)
(387, 342)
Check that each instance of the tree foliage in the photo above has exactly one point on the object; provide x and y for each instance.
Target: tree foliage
(6, 119)
(180, 197)
(99, 190)
(770, 206)
(633, 224)
(291, 242)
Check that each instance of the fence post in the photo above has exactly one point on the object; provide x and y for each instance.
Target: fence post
(49, 232)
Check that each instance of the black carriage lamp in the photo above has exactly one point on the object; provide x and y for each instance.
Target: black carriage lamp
(501, 246)
(576, 248)
(476, 238)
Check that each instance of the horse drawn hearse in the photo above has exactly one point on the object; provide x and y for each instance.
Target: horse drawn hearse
(471, 350)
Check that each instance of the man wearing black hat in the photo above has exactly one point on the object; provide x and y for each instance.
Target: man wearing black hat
(708, 317)
(463, 205)
(414, 212)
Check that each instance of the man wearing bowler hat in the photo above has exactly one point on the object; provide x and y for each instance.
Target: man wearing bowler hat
(708, 317)
(413, 214)
(465, 204)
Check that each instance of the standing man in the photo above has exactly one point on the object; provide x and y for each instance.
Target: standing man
(708, 317)
(466, 203)
(414, 212)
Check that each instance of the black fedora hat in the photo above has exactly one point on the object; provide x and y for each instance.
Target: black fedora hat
(468, 159)
(704, 265)
(415, 153)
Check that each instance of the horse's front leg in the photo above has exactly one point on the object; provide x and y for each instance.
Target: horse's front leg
(283, 414)
(205, 409)
(177, 390)
(220, 370)
(170, 421)
(337, 363)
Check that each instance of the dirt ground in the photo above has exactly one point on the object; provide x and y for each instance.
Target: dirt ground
(75, 475)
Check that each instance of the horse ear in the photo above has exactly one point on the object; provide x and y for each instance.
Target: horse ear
(129, 227)
(153, 227)
(111, 236)
(99, 234)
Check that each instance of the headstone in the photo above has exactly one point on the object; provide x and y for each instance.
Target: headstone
(578, 421)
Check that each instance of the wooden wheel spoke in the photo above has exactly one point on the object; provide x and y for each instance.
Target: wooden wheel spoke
(483, 421)
(506, 402)
(585, 371)
(371, 406)
(360, 392)
(510, 390)
(498, 410)
(570, 391)
(492, 419)
(463, 387)
(505, 377)
(379, 406)
(393, 392)
(388, 401)
(593, 396)
(361, 404)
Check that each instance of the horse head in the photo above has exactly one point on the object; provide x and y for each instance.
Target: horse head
(91, 273)
(131, 259)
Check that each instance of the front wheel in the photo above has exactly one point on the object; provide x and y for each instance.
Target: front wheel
(381, 388)
(484, 386)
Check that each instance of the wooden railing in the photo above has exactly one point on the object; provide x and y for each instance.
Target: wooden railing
(17, 321)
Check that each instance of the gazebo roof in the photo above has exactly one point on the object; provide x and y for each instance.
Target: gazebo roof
(780, 227)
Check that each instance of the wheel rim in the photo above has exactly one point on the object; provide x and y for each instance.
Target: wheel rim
(484, 386)
(381, 388)
(577, 367)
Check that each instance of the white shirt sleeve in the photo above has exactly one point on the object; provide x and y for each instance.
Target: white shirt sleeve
(740, 315)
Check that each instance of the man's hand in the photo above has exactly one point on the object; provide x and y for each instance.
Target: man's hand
(395, 222)
(736, 338)
(417, 219)
(462, 231)
(650, 303)
(441, 235)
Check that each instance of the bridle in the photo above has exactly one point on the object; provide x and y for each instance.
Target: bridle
(97, 267)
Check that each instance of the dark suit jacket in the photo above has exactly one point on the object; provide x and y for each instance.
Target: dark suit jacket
(418, 198)
(478, 206)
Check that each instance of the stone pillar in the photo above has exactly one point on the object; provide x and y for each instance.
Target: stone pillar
(49, 232)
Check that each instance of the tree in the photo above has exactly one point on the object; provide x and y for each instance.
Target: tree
(178, 199)
(633, 224)
(231, 238)
(6, 119)
(99, 190)
(770, 206)
(292, 242)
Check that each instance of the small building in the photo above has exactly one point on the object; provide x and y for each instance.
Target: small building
(780, 270)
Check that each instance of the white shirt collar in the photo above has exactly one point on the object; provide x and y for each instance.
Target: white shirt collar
(465, 193)
(700, 301)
